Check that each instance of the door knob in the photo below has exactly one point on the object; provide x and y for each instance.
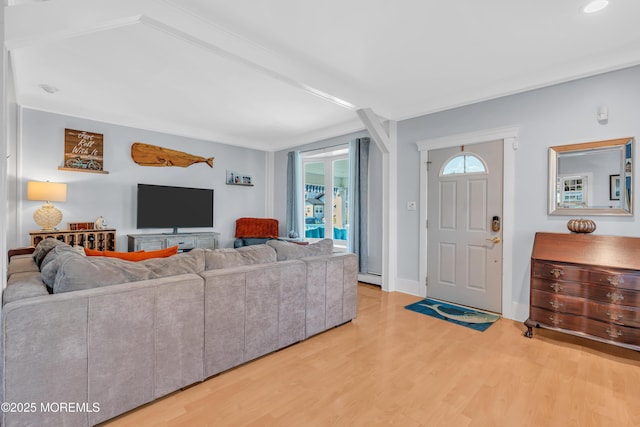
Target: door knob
(494, 240)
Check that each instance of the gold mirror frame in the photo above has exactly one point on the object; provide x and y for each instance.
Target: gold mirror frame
(555, 152)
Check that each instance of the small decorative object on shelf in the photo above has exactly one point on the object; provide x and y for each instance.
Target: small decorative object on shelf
(237, 178)
(100, 223)
(581, 225)
(74, 226)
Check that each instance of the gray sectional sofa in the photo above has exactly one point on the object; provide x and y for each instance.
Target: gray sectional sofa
(115, 334)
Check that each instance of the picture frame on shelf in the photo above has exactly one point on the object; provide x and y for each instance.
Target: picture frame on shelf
(237, 178)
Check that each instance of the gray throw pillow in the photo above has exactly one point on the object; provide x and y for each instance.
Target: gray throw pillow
(289, 250)
(75, 272)
(55, 253)
(43, 248)
(245, 255)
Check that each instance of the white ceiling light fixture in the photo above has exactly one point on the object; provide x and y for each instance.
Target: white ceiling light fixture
(595, 6)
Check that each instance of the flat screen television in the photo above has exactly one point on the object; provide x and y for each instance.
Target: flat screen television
(162, 206)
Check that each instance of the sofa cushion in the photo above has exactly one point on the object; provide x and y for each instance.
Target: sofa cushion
(134, 256)
(71, 271)
(21, 264)
(289, 250)
(43, 248)
(245, 255)
(24, 285)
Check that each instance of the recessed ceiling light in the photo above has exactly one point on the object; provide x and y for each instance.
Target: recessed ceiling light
(595, 6)
(48, 88)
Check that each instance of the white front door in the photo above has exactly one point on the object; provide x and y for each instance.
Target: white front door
(464, 250)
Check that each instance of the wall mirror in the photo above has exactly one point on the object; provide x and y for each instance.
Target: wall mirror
(592, 178)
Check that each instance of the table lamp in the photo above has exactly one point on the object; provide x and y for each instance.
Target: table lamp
(48, 216)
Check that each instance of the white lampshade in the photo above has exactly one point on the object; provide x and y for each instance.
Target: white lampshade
(46, 191)
(48, 216)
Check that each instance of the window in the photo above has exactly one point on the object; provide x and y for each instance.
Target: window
(326, 194)
(464, 163)
(573, 191)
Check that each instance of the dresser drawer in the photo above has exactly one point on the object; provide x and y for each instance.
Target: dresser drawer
(558, 320)
(617, 333)
(625, 279)
(601, 293)
(570, 322)
(611, 313)
(183, 242)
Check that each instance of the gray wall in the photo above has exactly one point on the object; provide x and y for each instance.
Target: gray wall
(557, 115)
(375, 197)
(113, 195)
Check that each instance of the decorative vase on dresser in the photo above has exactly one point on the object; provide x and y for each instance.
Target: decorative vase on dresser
(586, 285)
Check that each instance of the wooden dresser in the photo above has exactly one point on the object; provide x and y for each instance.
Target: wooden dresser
(586, 285)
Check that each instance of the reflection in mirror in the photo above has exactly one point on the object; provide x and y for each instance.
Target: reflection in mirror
(592, 178)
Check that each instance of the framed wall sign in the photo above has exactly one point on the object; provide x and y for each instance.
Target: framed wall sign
(83, 151)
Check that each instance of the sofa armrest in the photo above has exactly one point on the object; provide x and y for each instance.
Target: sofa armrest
(20, 251)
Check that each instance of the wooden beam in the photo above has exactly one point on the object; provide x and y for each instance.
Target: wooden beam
(40, 23)
(375, 128)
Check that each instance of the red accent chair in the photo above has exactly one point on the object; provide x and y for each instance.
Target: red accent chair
(255, 231)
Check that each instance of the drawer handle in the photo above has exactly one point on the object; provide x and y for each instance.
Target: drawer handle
(615, 296)
(556, 272)
(615, 280)
(613, 333)
(556, 287)
(555, 320)
(614, 316)
(555, 304)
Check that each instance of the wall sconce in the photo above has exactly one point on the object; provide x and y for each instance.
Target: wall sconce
(48, 216)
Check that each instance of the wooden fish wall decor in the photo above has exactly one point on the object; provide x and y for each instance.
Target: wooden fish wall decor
(152, 155)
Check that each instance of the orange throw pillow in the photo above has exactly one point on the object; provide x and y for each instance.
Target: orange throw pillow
(134, 256)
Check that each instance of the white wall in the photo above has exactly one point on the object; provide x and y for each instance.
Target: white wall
(557, 115)
(3, 150)
(113, 195)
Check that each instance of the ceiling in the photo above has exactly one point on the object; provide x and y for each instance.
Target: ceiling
(276, 74)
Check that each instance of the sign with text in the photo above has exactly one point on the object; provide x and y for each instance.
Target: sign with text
(83, 150)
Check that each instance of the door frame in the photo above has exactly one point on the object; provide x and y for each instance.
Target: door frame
(508, 135)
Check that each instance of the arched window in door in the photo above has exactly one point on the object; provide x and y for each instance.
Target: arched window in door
(464, 163)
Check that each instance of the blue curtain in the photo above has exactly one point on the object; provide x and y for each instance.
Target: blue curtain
(294, 195)
(358, 214)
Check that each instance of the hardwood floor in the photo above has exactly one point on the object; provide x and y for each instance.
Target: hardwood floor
(392, 366)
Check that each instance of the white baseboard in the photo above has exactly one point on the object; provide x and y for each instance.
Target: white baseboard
(411, 287)
(520, 312)
(373, 279)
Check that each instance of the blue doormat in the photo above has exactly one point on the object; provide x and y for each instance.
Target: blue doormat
(460, 315)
